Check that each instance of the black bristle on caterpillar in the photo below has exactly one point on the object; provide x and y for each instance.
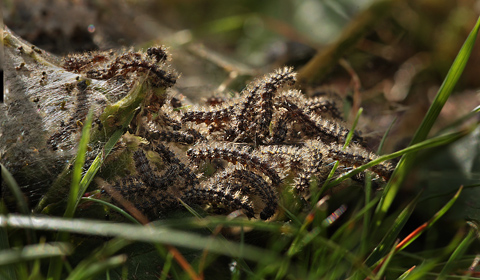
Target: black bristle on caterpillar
(217, 116)
(257, 185)
(228, 153)
(159, 53)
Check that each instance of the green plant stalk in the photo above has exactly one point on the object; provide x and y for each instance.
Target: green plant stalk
(15, 190)
(7, 272)
(392, 234)
(449, 193)
(211, 222)
(461, 120)
(347, 255)
(165, 253)
(114, 207)
(105, 252)
(458, 253)
(33, 252)
(295, 220)
(367, 216)
(384, 138)
(421, 134)
(97, 163)
(98, 267)
(20, 199)
(164, 235)
(351, 220)
(326, 185)
(383, 269)
(55, 268)
(300, 234)
(405, 275)
(78, 167)
(167, 266)
(199, 217)
(420, 271)
(416, 233)
(434, 219)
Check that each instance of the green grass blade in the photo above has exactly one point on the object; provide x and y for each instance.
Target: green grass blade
(458, 253)
(354, 218)
(443, 94)
(419, 272)
(352, 130)
(15, 190)
(327, 184)
(384, 267)
(114, 207)
(461, 120)
(447, 86)
(100, 261)
(405, 275)
(98, 267)
(384, 246)
(368, 215)
(435, 218)
(384, 138)
(34, 252)
(55, 268)
(191, 210)
(347, 255)
(445, 208)
(78, 167)
(167, 266)
(413, 236)
(7, 272)
(97, 163)
(211, 222)
(164, 235)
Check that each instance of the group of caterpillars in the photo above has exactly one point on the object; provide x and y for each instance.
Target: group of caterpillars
(233, 153)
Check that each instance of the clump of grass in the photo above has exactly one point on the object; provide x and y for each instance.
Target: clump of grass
(365, 244)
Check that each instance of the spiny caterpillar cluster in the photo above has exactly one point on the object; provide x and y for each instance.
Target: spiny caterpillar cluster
(256, 143)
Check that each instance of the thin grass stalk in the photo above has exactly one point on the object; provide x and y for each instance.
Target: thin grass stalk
(113, 207)
(390, 237)
(55, 267)
(165, 235)
(98, 267)
(327, 184)
(78, 167)
(167, 266)
(367, 215)
(380, 270)
(97, 163)
(458, 251)
(33, 252)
